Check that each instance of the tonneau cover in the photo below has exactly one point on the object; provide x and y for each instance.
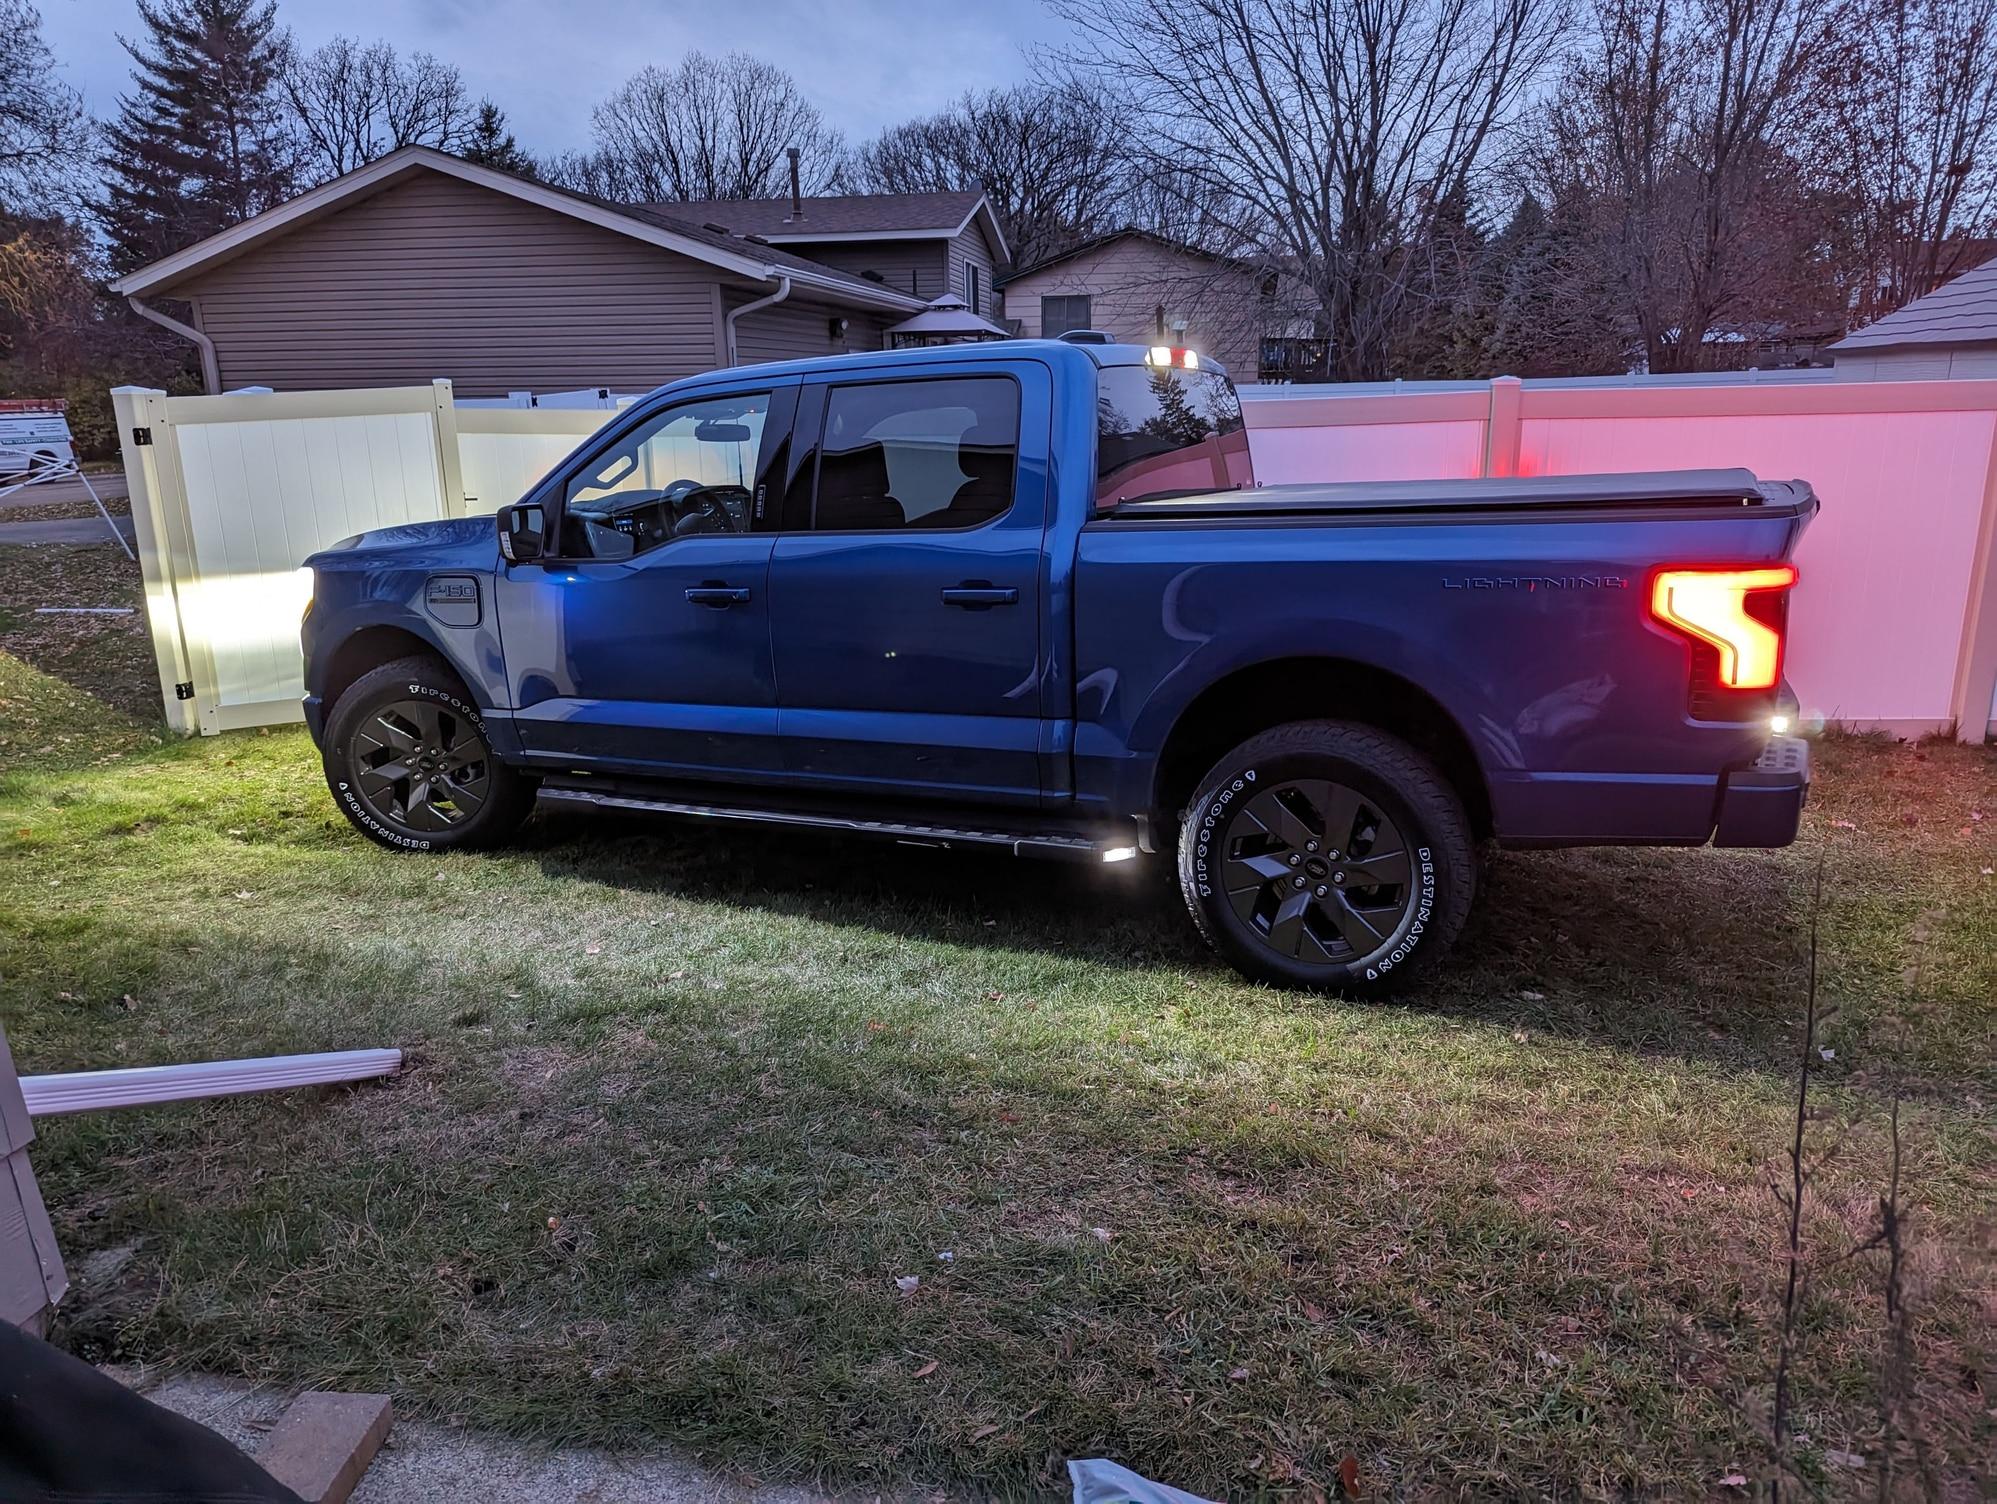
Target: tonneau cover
(1679, 488)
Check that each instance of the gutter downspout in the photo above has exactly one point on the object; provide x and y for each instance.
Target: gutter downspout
(782, 292)
(211, 370)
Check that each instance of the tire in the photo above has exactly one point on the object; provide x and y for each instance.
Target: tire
(471, 800)
(1271, 811)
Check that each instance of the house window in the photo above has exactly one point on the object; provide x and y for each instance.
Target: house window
(971, 286)
(1059, 315)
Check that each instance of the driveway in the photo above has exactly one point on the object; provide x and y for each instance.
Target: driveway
(84, 529)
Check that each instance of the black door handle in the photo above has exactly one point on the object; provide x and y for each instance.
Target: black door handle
(975, 595)
(717, 595)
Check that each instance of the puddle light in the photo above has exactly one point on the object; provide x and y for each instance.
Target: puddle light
(1120, 854)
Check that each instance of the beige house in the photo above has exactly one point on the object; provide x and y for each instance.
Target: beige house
(421, 265)
(1950, 333)
(1143, 289)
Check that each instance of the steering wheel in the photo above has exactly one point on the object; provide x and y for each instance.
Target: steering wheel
(697, 509)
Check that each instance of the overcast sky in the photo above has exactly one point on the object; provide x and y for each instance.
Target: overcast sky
(865, 63)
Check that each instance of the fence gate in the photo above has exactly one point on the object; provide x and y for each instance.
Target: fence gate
(229, 495)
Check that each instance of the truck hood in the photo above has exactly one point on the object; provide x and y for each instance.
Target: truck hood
(464, 542)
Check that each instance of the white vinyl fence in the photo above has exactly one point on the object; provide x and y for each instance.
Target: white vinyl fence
(1894, 624)
(230, 494)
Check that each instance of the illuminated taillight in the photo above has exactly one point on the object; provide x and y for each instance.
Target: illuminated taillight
(1730, 610)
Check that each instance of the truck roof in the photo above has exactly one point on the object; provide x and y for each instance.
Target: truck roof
(1054, 351)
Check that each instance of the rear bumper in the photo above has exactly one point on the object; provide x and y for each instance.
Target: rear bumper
(1762, 804)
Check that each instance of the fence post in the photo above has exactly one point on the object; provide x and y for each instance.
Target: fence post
(1501, 426)
(149, 493)
(450, 462)
(1976, 657)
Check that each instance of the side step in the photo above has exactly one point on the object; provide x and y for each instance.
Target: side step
(1098, 846)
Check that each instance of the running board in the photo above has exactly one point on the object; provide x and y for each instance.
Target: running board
(1073, 845)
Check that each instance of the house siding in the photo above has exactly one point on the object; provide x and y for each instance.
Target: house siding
(435, 277)
(1919, 363)
(974, 248)
(1127, 281)
(919, 267)
(798, 330)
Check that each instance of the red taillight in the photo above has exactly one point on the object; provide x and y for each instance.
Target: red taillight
(1729, 610)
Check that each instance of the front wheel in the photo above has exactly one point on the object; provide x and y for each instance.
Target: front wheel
(1327, 855)
(409, 763)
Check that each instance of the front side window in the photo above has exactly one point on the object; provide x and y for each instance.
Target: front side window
(1059, 315)
(940, 453)
(1167, 431)
(689, 470)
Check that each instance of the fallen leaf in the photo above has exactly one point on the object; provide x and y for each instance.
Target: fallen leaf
(908, 1283)
(1348, 1475)
(1102, 1234)
(1238, 1374)
(946, 1256)
(592, 950)
(1533, 997)
(1828, 1054)
(927, 1369)
(1843, 825)
(983, 1431)
(243, 893)
(554, 1224)
(1837, 1458)
(1733, 1480)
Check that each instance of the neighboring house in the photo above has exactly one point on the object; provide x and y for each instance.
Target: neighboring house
(929, 245)
(421, 265)
(1950, 332)
(1143, 289)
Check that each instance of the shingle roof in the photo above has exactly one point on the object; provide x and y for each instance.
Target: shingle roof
(841, 214)
(1961, 312)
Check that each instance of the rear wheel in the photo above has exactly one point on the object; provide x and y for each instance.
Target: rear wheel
(409, 763)
(1327, 855)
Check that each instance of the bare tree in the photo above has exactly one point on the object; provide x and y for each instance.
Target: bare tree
(351, 102)
(711, 128)
(1048, 156)
(41, 119)
(1909, 140)
(1332, 131)
(1679, 125)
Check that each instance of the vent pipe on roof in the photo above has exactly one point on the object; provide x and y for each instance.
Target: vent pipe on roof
(796, 196)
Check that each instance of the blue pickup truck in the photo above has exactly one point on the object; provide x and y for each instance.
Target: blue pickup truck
(1028, 595)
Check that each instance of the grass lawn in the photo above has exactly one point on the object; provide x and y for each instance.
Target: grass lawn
(684, 1106)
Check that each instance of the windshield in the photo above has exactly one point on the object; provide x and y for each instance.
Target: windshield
(1164, 431)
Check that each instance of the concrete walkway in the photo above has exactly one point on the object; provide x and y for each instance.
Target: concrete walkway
(423, 1461)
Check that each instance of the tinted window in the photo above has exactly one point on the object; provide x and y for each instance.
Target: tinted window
(1059, 315)
(688, 470)
(1161, 430)
(921, 454)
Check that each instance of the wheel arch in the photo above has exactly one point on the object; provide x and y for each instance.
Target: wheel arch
(1256, 697)
(367, 649)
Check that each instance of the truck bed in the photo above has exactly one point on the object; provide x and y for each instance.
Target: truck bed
(1673, 490)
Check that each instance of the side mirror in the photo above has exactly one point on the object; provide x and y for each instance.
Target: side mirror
(523, 532)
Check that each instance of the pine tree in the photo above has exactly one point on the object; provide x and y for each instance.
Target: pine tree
(492, 144)
(200, 143)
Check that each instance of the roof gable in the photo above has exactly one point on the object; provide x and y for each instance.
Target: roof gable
(846, 217)
(724, 252)
(1101, 242)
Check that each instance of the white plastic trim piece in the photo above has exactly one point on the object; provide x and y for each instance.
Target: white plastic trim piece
(148, 1085)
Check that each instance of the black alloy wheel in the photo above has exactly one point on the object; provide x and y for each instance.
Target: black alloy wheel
(1317, 871)
(409, 763)
(1327, 855)
(421, 765)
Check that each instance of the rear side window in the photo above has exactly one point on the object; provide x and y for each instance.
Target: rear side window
(940, 453)
(1167, 431)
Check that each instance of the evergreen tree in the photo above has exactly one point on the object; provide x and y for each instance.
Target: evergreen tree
(492, 144)
(200, 144)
